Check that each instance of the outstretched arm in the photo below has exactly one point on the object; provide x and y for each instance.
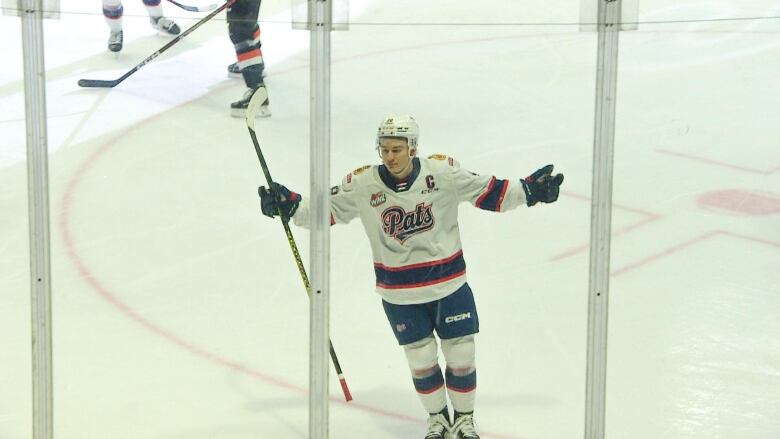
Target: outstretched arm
(490, 193)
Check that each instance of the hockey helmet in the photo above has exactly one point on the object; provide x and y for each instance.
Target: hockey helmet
(403, 126)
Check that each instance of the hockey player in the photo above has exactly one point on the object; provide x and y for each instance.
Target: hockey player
(409, 210)
(245, 34)
(113, 11)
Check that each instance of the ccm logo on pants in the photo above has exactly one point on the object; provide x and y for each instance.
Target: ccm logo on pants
(457, 318)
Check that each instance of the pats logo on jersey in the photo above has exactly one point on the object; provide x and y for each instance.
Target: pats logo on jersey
(402, 225)
(377, 199)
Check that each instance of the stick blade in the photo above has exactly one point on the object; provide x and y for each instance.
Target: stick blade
(345, 389)
(254, 106)
(97, 83)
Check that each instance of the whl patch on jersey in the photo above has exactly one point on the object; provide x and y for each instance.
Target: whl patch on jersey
(377, 199)
(402, 225)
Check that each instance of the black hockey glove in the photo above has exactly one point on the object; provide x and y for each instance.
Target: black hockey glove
(542, 186)
(279, 198)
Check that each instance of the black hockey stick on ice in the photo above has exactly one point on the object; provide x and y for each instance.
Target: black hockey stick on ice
(254, 105)
(110, 83)
(194, 8)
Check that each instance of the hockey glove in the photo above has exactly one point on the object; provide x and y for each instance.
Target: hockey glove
(279, 198)
(542, 186)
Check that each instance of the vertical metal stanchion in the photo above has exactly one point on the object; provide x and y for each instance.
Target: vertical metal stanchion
(601, 217)
(38, 205)
(320, 20)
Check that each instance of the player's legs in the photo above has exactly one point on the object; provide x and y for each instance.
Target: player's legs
(156, 19)
(413, 328)
(457, 322)
(113, 11)
(244, 33)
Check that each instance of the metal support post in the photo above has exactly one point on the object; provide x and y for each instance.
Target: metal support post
(38, 205)
(319, 332)
(601, 217)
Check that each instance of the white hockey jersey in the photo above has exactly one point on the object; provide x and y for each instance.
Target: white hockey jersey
(413, 224)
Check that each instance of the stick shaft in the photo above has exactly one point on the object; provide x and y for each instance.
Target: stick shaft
(193, 8)
(113, 83)
(298, 260)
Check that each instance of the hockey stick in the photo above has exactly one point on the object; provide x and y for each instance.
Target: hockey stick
(103, 83)
(194, 8)
(254, 105)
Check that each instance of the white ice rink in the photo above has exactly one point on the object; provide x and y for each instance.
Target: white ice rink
(179, 312)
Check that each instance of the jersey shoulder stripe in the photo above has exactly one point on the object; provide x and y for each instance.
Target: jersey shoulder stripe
(359, 173)
(444, 158)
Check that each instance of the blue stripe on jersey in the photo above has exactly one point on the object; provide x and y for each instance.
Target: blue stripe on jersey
(494, 196)
(461, 384)
(429, 384)
(419, 275)
(113, 13)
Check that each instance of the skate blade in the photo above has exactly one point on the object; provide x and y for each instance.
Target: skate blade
(261, 112)
(165, 33)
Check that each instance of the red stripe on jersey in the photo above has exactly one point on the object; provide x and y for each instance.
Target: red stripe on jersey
(421, 264)
(484, 195)
(421, 284)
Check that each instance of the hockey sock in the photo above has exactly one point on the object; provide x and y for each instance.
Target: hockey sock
(113, 11)
(462, 390)
(253, 75)
(153, 8)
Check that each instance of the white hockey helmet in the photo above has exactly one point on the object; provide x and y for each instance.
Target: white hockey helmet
(403, 126)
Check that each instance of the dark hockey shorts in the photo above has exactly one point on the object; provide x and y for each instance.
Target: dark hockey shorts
(452, 316)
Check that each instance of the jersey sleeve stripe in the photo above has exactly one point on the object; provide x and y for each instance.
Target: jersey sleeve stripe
(493, 196)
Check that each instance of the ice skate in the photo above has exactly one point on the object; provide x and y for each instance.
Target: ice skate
(238, 108)
(165, 25)
(464, 427)
(438, 427)
(115, 41)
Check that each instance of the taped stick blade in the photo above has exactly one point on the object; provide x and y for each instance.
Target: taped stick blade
(254, 106)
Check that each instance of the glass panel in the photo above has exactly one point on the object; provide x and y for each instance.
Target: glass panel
(504, 91)
(693, 326)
